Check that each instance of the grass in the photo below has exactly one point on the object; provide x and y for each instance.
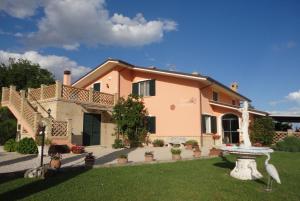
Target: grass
(185, 180)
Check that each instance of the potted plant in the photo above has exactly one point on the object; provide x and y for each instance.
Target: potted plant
(176, 154)
(190, 144)
(122, 159)
(149, 156)
(197, 152)
(158, 143)
(76, 149)
(89, 160)
(47, 144)
(216, 137)
(55, 162)
(214, 152)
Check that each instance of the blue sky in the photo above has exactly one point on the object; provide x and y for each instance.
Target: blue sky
(256, 43)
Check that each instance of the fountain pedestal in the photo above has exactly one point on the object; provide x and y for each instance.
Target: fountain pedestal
(246, 169)
(245, 166)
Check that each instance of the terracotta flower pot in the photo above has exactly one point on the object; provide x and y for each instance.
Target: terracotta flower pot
(55, 164)
(122, 160)
(214, 152)
(189, 146)
(197, 153)
(176, 157)
(149, 158)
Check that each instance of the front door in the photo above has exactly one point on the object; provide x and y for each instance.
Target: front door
(91, 129)
(230, 124)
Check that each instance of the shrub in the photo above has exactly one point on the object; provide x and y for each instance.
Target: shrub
(61, 149)
(123, 156)
(8, 125)
(291, 144)
(118, 144)
(10, 145)
(27, 146)
(191, 142)
(176, 151)
(158, 143)
(262, 130)
(39, 138)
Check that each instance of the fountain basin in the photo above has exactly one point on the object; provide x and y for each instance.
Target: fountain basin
(245, 166)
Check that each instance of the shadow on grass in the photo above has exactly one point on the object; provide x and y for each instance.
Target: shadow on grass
(112, 156)
(6, 177)
(17, 160)
(225, 163)
(39, 185)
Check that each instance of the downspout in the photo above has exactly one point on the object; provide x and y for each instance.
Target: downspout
(200, 89)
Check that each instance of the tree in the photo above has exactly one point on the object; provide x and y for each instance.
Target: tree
(280, 126)
(263, 130)
(130, 116)
(23, 74)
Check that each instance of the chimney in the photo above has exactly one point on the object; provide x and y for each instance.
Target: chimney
(67, 78)
(234, 86)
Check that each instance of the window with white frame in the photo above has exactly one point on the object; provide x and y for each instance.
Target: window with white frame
(209, 124)
(144, 88)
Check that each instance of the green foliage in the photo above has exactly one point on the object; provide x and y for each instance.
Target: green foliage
(118, 144)
(262, 130)
(27, 146)
(130, 115)
(291, 144)
(192, 142)
(8, 125)
(280, 126)
(123, 156)
(10, 145)
(175, 151)
(39, 138)
(158, 143)
(24, 74)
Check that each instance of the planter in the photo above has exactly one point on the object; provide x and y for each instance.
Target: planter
(176, 157)
(197, 153)
(46, 149)
(122, 160)
(89, 162)
(214, 152)
(189, 146)
(149, 158)
(55, 164)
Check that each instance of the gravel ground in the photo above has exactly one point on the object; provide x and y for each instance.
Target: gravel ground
(12, 161)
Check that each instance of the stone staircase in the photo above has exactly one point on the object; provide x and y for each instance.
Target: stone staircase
(29, 117)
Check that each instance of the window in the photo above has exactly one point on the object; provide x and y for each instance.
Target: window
(215, 96)
(209, 124)
(144, 88)
(97, 87)
(233, 102)
(151, 124)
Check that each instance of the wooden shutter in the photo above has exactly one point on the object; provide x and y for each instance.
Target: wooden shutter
(152, 88)
(151, 124)
(135, 88)
(203, 127)
(213, 121)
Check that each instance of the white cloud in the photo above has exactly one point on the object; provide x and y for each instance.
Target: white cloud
(69, 23)
(55, 64)
(294, 96)
(284, 46)
(291, 111)
(19, 8)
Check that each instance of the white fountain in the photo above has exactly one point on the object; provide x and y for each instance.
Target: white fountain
(245, 166)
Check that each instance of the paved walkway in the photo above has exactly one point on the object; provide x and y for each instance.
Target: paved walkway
(12, 161)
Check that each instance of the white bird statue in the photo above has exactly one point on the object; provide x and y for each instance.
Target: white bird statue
(273, 174)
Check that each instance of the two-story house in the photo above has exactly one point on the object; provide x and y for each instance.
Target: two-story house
(180, 105)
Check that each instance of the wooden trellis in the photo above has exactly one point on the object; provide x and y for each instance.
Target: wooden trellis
(75, 94)
(59, 128)
(49, 91)
(103, 98)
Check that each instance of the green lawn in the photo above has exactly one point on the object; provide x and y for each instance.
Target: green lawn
(185, 180)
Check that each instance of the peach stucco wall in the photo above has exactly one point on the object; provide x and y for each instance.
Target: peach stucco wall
(185, 118)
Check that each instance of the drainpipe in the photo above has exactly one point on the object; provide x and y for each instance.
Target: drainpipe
(200, 89)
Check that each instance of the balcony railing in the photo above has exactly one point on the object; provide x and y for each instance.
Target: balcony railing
(73, 94)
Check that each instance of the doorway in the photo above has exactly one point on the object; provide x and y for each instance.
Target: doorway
(91, 129)
(230, 123)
